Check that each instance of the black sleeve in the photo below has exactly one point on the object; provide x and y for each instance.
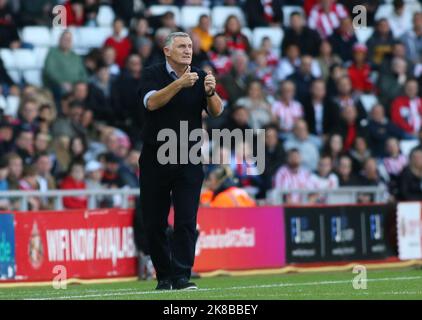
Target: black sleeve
(147, 83)
(202, 76)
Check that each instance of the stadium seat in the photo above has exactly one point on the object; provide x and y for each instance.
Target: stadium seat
(368, 101)
(105, 16)
(363, 34)
(33, 77)
(92, 37)
(407, 145)
(288, 10)
(220, 14)
(8, 58)
(36, 35)
(157, 10)
(190, 15)
(41, 54)
(248, 33)
(25, 59)
(275, 34)
(384, 11)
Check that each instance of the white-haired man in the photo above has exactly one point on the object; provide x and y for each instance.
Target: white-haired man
(172, 93)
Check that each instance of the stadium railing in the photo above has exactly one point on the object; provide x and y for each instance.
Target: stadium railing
(343, 195)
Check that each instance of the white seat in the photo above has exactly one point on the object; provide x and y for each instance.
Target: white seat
(37, 35)
(105, 16)
(157, 10)
(275, 34)
(33, 77)
(92, 37)
(407, 145)
(190, 15)
(40, 55)
(368, 101)
(248, 33)
(384, 11)
(8, 58)
(220, 14)
(363, 34)
(288, 10)
(25, 59)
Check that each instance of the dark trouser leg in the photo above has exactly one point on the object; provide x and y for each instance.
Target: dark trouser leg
(155, 206)
(185, 193)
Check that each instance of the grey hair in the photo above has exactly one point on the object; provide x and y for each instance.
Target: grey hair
(171, 36)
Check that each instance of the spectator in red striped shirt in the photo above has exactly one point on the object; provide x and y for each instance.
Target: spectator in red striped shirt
(325, 17)
(287, 109)
(293, 176)
(406, 110)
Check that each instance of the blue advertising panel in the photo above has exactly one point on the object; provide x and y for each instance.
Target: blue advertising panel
(7, 247)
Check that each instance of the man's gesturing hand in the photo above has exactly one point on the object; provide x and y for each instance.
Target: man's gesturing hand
(188, 79)
(209, 83)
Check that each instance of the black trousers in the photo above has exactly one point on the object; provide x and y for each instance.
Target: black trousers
(161, 185)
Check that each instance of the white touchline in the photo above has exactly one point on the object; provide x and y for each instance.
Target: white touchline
(276, 285)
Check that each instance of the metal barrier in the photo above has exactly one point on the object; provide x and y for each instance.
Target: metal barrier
(274, 197)
(58, 195)
(342, 195)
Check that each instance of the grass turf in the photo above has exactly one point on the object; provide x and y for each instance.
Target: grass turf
(382, 284)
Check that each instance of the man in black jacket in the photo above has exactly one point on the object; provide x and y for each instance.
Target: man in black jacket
(298, 33)
(173, 93)
(264, 13)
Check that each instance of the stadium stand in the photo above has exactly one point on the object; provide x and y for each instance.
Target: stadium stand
(95, 115)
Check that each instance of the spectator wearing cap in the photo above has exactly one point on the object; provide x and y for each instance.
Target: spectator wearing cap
(406, 110)
(325, 17)
(380, 44)
(264, 13)
(343, 39)
(308, 40)
(119, 42)
(111, 177)
(75, 181)
(202, 30)
(360, 70)
(94, 174)
(63, 67)
(413, 39)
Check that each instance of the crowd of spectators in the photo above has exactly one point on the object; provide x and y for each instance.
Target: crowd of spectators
(81, 129)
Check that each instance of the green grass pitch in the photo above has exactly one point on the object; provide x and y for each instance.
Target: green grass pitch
(381, 284)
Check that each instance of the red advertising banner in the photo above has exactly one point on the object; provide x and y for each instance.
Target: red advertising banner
(240, 238)
(88, 244)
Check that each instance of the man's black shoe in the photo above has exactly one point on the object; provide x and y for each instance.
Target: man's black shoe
(184, 284)
(164, 285)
